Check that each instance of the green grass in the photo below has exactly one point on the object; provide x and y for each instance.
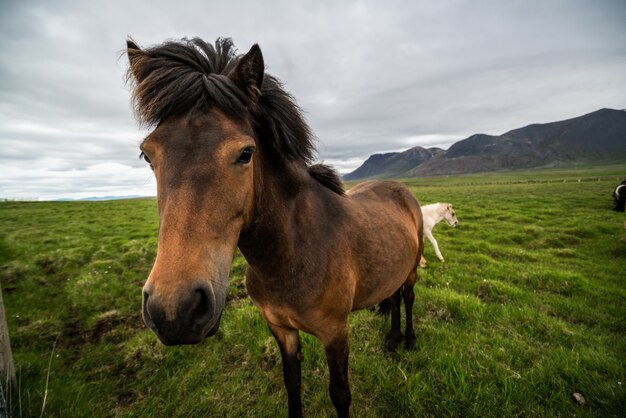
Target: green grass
(529, 308)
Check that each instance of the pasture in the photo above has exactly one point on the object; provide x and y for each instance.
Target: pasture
(528, 310)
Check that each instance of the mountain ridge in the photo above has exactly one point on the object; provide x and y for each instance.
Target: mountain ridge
(593, 136)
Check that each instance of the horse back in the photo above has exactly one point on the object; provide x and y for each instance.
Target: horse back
(388, 196)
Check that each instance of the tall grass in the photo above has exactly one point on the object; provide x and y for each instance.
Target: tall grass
(527, 310)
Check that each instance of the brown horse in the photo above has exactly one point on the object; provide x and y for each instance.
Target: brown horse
(231, 154)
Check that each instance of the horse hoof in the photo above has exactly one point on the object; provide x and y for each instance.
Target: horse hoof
(409, 343)
(392, 342)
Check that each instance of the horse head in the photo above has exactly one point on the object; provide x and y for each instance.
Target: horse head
(202, 152)
(450, 216)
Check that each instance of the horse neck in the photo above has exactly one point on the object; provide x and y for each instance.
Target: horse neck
(269, 240)
(434, 212)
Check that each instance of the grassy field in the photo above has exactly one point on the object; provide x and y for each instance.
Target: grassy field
(528, 310)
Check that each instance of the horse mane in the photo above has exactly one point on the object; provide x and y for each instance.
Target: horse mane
(191, 75)
(328, 176)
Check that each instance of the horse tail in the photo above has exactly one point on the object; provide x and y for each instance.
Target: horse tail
(384, 307)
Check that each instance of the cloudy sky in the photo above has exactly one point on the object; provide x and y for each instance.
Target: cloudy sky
(372, 76)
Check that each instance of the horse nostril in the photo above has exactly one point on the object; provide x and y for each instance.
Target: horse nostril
(203, 309)
(153, 312)
(146, 314)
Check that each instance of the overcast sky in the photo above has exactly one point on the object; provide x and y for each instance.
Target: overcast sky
(372, 76)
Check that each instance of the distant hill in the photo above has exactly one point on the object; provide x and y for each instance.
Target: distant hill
(99, 198)
(393, 164)
(600, 135)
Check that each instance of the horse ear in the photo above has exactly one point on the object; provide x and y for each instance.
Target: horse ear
(134, 53)
(248, 74)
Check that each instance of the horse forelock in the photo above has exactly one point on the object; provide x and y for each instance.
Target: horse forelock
(186, 76)
(179, 77)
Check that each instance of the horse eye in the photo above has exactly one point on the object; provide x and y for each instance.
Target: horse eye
(246, 156)
(145, 157)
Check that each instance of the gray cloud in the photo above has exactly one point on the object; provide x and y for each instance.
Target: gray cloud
(371, 76)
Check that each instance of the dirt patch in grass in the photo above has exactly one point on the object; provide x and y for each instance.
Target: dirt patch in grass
(438, 312)
(113, 326)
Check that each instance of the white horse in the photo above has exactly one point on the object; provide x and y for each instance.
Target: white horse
(433, 214)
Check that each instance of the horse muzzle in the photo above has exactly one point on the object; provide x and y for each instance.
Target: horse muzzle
(189, 318)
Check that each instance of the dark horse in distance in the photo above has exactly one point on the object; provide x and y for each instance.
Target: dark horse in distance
(232, 156)
(619, 197)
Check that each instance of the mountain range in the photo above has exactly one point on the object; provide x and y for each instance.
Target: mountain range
(99, 198)
(600, 135)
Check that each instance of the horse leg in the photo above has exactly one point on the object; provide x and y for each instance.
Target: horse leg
(395, 335)
(433, 241)
(289, 343)
(337, 348)
(409, 296)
